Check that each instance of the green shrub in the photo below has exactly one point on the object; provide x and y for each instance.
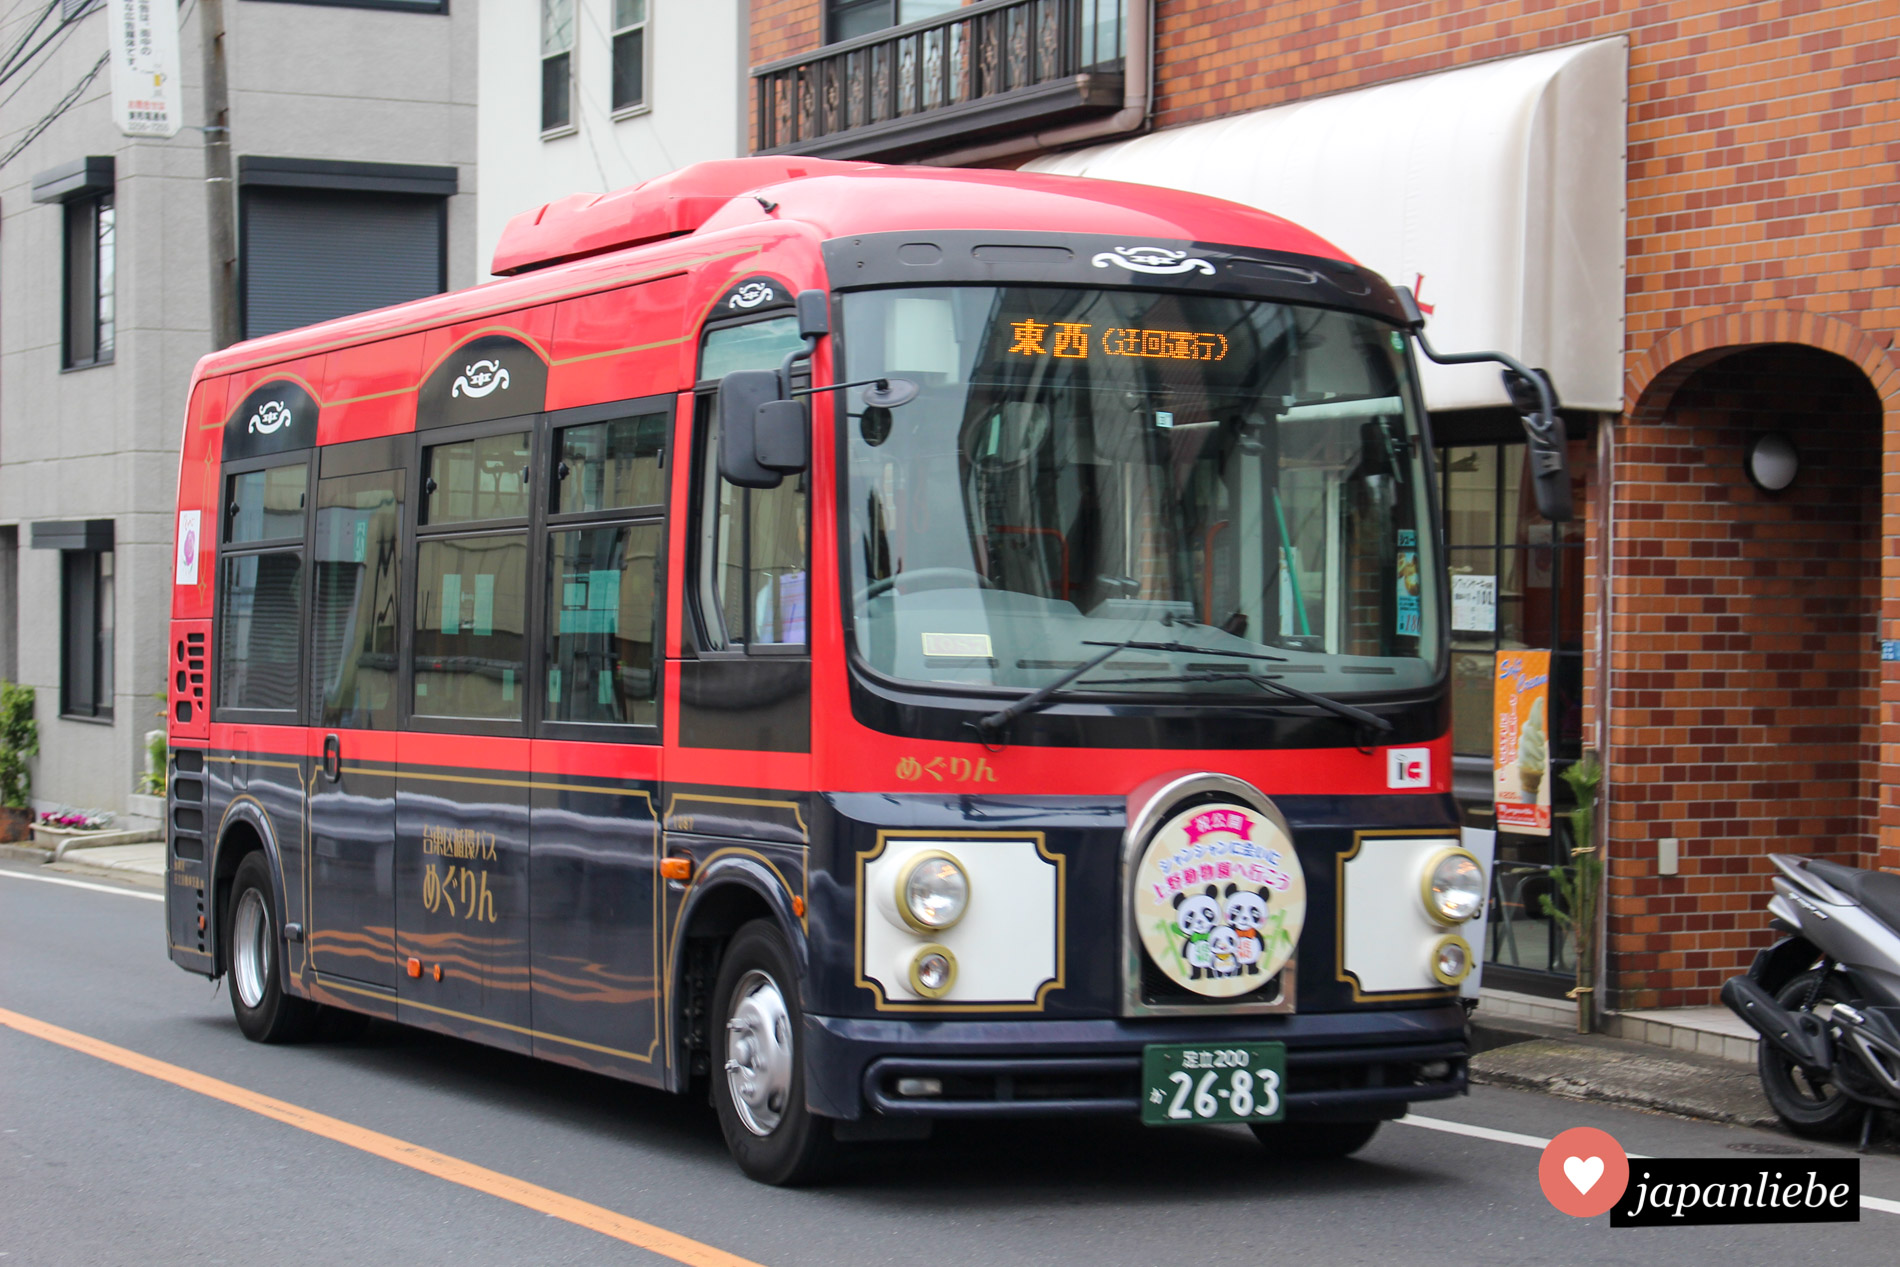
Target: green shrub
(19, 741)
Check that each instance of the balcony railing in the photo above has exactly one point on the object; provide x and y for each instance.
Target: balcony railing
(911, 90)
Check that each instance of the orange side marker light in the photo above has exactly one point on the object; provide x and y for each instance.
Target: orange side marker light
(676, 868)
(438, 972)
(798, 906)
(415, 967)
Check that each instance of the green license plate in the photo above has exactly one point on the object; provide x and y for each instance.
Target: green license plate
(1188, 1083)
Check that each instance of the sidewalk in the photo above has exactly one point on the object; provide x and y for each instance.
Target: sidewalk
(142, 864)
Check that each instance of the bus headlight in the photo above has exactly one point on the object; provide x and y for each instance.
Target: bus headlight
(1451, 960)
(1453, 889)
(933, 970)
(932, 892)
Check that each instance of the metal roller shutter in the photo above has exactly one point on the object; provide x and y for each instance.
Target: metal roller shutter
(311, 255)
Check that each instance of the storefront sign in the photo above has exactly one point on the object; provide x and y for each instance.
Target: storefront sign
(1521, 742)
(1474, 604)
(147, 95)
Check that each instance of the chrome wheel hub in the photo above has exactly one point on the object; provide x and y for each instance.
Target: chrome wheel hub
(250, 948)
(759, 1053)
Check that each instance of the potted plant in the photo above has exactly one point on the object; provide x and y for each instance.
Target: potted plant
(19, 741)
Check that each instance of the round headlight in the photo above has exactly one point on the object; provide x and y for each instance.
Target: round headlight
(932, 892)
(1454, 887)
(1451, 960)
(933, 970)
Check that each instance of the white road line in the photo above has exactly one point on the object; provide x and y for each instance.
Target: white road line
(81, 884)
(1532, 1141)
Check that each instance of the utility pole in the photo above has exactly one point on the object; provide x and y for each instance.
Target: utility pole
(220, 190)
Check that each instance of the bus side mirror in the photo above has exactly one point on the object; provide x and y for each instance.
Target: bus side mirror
(1546, 442)
(778, 440)
(743, 396)
(1535, 398)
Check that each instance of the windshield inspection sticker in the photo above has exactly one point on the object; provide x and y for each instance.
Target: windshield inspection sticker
(970, 646)
(1220, 899)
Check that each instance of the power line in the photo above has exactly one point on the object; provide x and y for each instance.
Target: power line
(14, 62)
(7, 61)
(66, 103)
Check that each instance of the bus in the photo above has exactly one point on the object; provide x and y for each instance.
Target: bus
(870, 645)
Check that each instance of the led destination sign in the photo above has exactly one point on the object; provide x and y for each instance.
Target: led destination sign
(1073, 340)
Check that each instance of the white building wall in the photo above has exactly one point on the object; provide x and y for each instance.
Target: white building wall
(696, 84)
(307, 81)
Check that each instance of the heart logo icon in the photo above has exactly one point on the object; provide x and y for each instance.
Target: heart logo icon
(1583, 1172)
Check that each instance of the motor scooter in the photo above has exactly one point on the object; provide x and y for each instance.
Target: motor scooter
(1826, 998)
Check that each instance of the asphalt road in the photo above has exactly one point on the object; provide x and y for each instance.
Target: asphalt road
(101, 1163)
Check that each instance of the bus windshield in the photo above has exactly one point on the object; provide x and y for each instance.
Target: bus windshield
(1243, 480)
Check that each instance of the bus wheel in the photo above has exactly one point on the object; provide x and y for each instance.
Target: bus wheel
(758, 1082)
(264, 1012)
(1311, 1141)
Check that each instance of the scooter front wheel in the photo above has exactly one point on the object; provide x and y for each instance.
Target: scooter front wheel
(1808, 1101)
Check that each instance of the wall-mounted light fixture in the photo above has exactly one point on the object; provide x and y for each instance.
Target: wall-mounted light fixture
(1772, 462)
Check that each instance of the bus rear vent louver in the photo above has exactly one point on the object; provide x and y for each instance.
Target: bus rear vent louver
(188, 678)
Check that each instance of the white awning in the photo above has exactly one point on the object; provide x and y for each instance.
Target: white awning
(1497, 191)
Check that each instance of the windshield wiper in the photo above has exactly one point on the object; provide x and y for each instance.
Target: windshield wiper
(1265, 681)
(991, 726)
(1182, 648)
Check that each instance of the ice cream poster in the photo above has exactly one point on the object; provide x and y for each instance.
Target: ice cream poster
(1521, 742)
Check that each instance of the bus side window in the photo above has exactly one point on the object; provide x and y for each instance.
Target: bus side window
(470, 638)
(753, 544)
(354, 634)
(260, 601)
(602, 601)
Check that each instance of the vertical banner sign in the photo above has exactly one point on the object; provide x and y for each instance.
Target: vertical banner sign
(147, 96)
(1408, 583)
(1521, 742)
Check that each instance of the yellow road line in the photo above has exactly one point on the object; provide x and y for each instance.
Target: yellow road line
(453, 1169)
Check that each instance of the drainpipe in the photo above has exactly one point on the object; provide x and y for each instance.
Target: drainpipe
(1137, 95)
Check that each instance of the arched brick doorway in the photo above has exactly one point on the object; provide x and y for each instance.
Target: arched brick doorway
(1745, 683)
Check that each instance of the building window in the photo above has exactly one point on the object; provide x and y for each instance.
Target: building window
(85, 670)
(847, 19)
(88, 323)
(557, 65)
(630, 54)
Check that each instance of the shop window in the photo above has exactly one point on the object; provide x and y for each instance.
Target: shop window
(86, 626)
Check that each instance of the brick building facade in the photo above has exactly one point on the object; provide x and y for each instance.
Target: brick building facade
(1733, 679)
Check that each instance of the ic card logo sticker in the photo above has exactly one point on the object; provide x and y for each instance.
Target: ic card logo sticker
(1220, 899)
(1408, 767)
(480, 378)
(1152, 259)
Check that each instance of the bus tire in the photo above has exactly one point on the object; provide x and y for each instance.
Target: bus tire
(264, 1011)
(758, 1071)
(1314, 1141)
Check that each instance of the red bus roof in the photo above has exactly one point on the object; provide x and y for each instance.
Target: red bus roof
(833, 199)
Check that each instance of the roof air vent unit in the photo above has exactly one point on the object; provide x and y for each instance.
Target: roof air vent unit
(666, 206)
